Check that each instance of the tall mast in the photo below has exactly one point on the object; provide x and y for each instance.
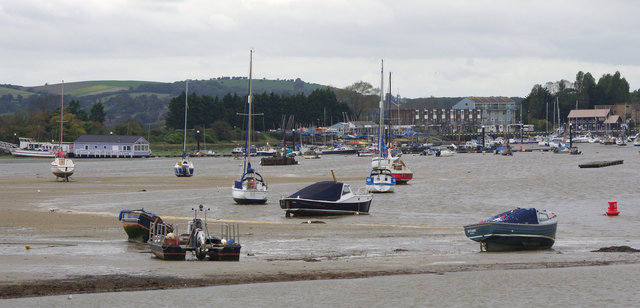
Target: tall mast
(61, 115)
(381, 107)
(186, 106)
(249, 100)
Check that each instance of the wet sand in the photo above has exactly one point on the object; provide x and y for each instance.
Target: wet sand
(31, 272)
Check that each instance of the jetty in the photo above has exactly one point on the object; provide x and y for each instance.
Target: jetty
(600, 164)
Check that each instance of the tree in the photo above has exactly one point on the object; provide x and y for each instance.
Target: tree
(612, 89)
(536, 103)
(74, 107)
(585, 86)
(97, 113)
(360, 96)
(129, 127)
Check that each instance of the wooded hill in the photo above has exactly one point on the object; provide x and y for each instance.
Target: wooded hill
(144, 101)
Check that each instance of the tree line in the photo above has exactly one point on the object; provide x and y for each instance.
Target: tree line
(320, 108)
(583, 93)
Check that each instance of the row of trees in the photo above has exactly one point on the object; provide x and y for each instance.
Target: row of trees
(584, 93)
(320, 108)
(44, 124)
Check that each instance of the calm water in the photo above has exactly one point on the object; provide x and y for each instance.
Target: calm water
(446, 193)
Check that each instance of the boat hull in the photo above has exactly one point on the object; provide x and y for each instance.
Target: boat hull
(249, 196)
(402, 178)
(30, 153)
(510, 236)
(224, 253)
(167, 251)
(136, 224)
(308, 207)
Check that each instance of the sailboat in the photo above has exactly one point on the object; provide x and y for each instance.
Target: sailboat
(399, 169)
(184, 167)
(61, 166)
(380, 178)
(251, 188)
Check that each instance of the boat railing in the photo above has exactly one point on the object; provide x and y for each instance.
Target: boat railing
(158, 231)
(231, 233)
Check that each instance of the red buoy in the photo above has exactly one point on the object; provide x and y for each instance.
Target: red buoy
(613, 209)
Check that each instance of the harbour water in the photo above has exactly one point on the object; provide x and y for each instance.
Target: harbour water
(445, 194)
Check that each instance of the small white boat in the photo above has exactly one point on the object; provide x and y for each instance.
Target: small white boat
(380, 178)
(444, 153)
(251, 188)
(184, 167)
(61, 166)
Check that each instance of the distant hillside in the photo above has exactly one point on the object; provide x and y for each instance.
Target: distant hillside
(145, 101)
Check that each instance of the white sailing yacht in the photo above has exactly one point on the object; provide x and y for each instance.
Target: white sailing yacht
(62, 167)
(251, 188)
(184, 167)
(380, 178)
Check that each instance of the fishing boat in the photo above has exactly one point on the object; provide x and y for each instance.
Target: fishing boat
(62, 167)
(400, 171)
(136, 224)
(31, 148)
(518, 229)
(184, 166)
(326, 198)
(165, 244)
(251, 188)
(380, 177)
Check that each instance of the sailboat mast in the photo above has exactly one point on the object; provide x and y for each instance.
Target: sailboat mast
(186, 105)
(61, 115)
(388, 111)
(381, 107)
(249, 101)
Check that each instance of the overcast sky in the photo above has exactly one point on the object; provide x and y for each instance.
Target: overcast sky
(432, 48)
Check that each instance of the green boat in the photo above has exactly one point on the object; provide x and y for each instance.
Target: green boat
(518, 229)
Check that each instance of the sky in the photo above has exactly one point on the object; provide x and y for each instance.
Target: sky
(432, 48)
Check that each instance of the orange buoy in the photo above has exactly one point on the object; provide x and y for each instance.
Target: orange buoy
(613, 209)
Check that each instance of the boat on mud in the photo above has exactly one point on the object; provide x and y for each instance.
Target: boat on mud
(165, 244)
(326, 198)
(518, 229)
(137, 223)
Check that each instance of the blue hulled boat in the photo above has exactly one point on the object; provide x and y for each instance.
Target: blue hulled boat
(518, 229)
(137, 223)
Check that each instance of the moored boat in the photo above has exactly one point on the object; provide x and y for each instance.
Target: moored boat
(400, 171)
(326, 198)
(251, 188)
(166, 245)
(31, 148)
(184, 167)
(136, 224)
(518, 229)
(62, 167)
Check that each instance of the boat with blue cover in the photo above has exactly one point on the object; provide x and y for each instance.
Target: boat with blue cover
(518, 229)
(326, 198)
(137, 223)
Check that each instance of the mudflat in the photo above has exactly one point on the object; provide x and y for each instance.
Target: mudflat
(48, 250)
